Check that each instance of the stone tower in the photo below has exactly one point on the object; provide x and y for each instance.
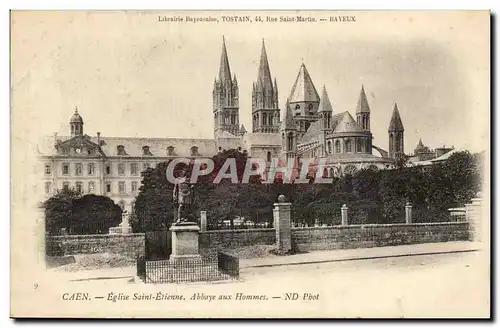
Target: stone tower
(396, 134)
(304, 101)
(265, 108)
(325, 111)
(288, 135)
(76, 124)
(363, 111)
(225, 98)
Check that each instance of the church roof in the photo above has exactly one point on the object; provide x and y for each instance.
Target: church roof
(264, 77)
(303, 89)
(262, 139)
(224, 71)
(76, 118)
(324, 103)
(362, 106)
(312, 134)
(347, 125)
(396, 124)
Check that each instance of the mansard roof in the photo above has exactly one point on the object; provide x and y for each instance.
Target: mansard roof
(303, 89)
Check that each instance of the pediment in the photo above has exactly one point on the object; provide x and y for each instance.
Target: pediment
(78, 146)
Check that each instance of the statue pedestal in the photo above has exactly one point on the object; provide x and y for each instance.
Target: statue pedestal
(185, 242)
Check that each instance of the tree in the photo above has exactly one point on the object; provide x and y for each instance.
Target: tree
(83, 215)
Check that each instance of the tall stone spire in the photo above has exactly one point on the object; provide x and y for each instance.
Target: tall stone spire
(362, 106)
(265, 110)
(224, 71)
(303, 89)
(396, 125)
(264, 76)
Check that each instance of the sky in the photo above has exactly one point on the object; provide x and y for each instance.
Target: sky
(131, 75)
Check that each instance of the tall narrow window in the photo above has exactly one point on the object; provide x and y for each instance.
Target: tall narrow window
(134, 186)
(91, 186)
(121, 187)
(348, 145)
(108, 168)
(121, 168)
(48, 169)
(91, 169)
(79, 187)
(65, 186)
(65, 169)
(108, 187)
(329, 147)
(268, 156)
(78, 169)
(134, 169)
(337, 146)
(359, 146)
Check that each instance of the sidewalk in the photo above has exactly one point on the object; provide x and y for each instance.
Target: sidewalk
(361, 254)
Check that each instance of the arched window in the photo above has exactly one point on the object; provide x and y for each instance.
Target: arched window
(264, 119)
(329, 147)
(290, 141)
(348, 146)
(325, 173)
(331, 173)
(297, 107)
(268, 156)
(337, 146)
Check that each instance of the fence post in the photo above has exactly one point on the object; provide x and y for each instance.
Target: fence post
(203, 220)
(282, 224)
(343, 212)
(408, 213)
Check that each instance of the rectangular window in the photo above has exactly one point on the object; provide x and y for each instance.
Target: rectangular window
(91, 169)
(48, 187)
(134, 186)
(78, 169)
(121, 187)
(65, 169)
(108, 168)
(66, 186)
(48, 169)
(134, 169)
(79, 187)
(108, 187)
(121, 169)
(91, 186)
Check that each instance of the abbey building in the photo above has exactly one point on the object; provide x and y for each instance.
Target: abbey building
(306, 126)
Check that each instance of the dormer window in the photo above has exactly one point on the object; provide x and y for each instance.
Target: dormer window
(194, 151)
(145, 151)
(170, 151)
(120, 150)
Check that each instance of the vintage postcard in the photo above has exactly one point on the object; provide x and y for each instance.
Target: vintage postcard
(260, 164)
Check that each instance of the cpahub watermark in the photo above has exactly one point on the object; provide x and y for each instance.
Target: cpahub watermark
(290, 172)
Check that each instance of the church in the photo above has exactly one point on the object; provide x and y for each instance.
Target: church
(310, 128)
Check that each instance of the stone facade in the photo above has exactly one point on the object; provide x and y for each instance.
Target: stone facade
(131, 245)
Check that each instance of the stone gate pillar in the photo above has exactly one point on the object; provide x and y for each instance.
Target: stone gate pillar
(473, 212)
(343, 212)
(282, 224)
(203, 220)
(408, 213)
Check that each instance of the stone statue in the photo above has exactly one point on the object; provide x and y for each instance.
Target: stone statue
(183, 197)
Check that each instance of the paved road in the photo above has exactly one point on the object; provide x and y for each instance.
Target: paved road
(442, 285)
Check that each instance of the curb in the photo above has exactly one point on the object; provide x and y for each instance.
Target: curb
(359, 258)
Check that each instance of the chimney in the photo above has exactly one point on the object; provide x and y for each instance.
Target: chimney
(99, 139)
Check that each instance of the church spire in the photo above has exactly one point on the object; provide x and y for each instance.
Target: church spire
(396, 125)
(324, 103)
(288, 122)
(224, 71)
(362, 106)
(264, 76)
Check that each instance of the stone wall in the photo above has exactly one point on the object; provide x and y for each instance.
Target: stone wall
(214, 240)
(364, 236)
(129, 245)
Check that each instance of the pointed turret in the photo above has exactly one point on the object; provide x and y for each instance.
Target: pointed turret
(324, 103)
(288, 122)
(242, 130)
(363, 110)
(224, 71)
(275, 87)
(235, 82)
(396, 124)
(396, 135)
